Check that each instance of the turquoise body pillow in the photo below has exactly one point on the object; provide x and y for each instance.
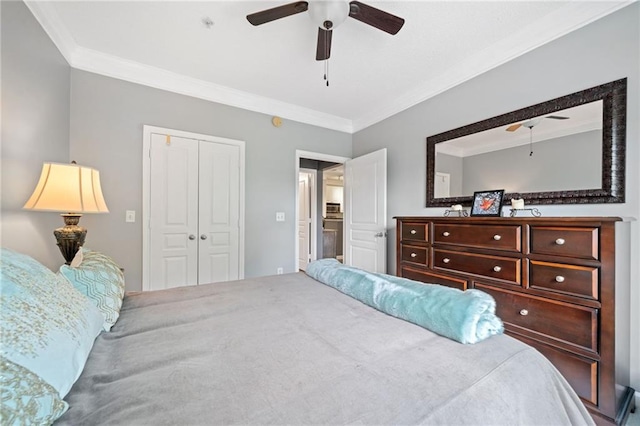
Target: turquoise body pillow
(465, 316)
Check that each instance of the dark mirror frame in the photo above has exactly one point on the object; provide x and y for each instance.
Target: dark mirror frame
(614, 133)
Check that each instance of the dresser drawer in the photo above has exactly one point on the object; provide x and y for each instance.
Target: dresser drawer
(498, 237)
(565, 322)
(497, 267)
(415, 231)
(565, 241)
(580, 372)
(574, 280)
(433, 278)
(414, 254)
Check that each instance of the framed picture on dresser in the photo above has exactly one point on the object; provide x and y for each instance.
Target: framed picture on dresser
(487, 203)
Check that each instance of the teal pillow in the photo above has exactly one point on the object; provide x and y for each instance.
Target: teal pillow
(46, 325)
(100, 279)
(26, 399)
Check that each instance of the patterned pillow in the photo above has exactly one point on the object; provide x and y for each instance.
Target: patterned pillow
(100, 279)
(25, 398)
(46, 325)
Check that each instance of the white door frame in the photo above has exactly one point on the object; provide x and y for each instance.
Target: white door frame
(311, 156)
(146, 186)
(313, 211)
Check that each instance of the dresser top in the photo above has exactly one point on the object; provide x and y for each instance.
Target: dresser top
(476, 219)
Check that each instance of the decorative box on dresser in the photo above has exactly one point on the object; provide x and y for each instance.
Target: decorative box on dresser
(554, 283)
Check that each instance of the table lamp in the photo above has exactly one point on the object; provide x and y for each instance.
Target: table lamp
(72, 189)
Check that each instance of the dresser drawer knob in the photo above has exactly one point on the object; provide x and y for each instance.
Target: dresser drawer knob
(560, 241)
(559, 279)
(414, 232)
(497, 269)
(524, 312)
(413, 255)
(497, 237)
(446, 260)
(445, 234)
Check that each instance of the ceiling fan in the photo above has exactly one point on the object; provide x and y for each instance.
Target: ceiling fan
(328, 15)
(533, 122)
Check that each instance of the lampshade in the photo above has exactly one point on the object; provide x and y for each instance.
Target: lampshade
(71, 189)
(68, 188)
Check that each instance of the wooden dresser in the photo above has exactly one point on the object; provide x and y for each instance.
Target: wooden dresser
(553, 280)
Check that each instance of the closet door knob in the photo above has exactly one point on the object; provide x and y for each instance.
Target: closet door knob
(497, 237)
(524, 312)
(445, 234)
(446, 260)
(192, 237)
(497, 269)
(203, 237)
(559, 279)
(413, 232)
(560, 241)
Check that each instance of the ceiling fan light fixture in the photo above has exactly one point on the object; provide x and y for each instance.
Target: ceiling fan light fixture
(335, 12)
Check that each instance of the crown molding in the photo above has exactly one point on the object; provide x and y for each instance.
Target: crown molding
(555, 25)
(135, 72)
(50, 21)
(563, 21)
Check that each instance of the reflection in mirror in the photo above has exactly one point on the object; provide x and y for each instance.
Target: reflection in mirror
(567, 150)
(546, 153)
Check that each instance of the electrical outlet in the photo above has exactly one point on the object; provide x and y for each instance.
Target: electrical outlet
(280, 271)
(279, 216)
(130, 216)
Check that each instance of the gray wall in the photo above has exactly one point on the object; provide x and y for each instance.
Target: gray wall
(603, 51)
(569, 162)
(107, 117)
(35, 129)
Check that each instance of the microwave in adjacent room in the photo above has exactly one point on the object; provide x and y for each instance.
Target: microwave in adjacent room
(333, 208)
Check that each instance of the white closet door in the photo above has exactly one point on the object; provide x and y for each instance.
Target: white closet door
(219, 212)
(173, 212)
(366, 212)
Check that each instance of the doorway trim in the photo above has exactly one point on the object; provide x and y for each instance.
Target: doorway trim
(146, 191)
(311, 156)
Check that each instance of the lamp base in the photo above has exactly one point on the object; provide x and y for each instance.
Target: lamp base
(70, 237)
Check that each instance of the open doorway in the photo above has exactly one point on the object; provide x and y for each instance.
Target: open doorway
(311, 237)
(364, 208)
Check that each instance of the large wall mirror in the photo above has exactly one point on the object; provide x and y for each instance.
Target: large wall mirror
(569, 150)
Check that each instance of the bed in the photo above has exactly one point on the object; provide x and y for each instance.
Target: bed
(289, 349)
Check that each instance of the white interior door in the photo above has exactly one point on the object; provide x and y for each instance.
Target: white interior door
(173, 221)
(365, 182)
(441, 186)
(219, 212)
(304, 220)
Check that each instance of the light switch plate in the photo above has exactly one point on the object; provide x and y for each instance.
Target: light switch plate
(279, 216)
(130, 216)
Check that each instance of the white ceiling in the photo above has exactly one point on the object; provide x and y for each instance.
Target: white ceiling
(272, 69)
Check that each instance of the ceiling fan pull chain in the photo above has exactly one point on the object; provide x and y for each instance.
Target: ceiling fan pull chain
(531, 142)
(326, 73)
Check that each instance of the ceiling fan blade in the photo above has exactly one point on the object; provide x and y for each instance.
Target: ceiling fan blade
(283, 11)
(513, 127)
(324, 44)
(557, 117)
(375, 17)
